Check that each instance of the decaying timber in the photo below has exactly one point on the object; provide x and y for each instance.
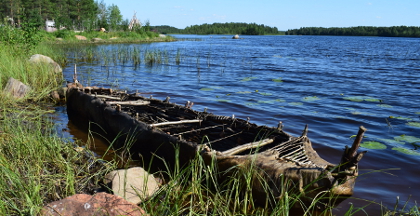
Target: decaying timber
(157, 127)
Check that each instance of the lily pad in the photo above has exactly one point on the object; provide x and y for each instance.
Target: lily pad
(296, 103)
(217, 87)
(406, 151)
(252, 104)
(355, 99)
(279, 80)
(400, 118)
(372, 100)
(310, 99)
(280, 100)
(362, 98)
(265, 94)
(373, 145)
(413, 124)
(246, 79)
(266, 102)
(271, 101)
(244, 92)
(384, 105)
(206, 89)
(408, 139)
(222, 100)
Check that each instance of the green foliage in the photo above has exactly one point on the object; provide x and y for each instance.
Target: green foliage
(115, 17)
(220, 28)
(232, 28)
(394, 31)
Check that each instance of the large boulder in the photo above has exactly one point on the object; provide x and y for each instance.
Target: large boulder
(87, 205)
(134, 184)
(235, 37)
(80, 37)
(41, 59)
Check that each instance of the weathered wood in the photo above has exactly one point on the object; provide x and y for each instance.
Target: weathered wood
(247, 146)
(16, 88)
(109, 97)
(176, 122)
(131, 103)
(356, 144)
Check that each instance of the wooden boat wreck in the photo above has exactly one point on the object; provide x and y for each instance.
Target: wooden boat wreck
(157, 127)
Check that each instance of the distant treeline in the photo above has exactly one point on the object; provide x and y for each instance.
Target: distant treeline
(394, 31)
(221, 28)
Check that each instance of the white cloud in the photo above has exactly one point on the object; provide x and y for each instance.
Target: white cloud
(378, 17)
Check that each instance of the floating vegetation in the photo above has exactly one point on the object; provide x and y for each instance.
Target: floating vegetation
(406, 151)
(271, 101)
(418, 113)
(248, 79)
(265, 94)
(355, 99)
(384, 105)
(372, 100)
(373, 145)
(362, 113)
(244, 92)
(362, 98)
(392, 141)
(310, 99)
(223, 100)
(407, 139)
(413, 124)
(206, 89)
(400, 118)
(296, 103)
(252, 104)
(279, 80)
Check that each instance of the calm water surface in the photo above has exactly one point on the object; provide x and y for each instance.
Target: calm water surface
(333, 84)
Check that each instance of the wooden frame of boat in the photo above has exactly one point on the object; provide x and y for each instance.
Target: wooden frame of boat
(158, 127)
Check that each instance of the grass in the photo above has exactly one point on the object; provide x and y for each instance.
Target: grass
(36, 165)
(107, 37)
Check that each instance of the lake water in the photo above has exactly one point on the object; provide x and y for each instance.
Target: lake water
(333, 84)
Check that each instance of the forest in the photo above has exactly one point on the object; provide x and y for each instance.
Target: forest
(83, 15)
(221, 28)
(394, 31)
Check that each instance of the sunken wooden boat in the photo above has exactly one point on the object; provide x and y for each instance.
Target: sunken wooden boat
(156, 129)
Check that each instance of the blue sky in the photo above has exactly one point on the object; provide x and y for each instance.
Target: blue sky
(283, 14)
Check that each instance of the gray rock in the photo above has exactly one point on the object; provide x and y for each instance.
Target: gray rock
(41, 59)
(235, 37)
(16, 88)
(134, 184)
(97, 39)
